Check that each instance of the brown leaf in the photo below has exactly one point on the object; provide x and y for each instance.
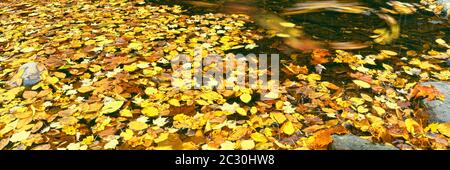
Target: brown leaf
(29, 94)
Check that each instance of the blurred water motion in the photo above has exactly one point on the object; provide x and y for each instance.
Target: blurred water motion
(294, 36)
(308, 7)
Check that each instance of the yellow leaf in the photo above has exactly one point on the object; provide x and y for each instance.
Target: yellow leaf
(75, 146)
(95, 68)
(357, 101)
(391, 105)
(388, 67)
(411, 126)
(130, 68)
(312, 78)
(150, 91)
(241, 111)
(253, 110)
(440, 41)
(410, 85)
(271, 95)
(287, 24)
(111, 144)
(174, 102)
(150, 111)
(432, 128)
(361, 84)
(160, 121)
(245, 97)
(283, 35)
(227, 145)
(87, 140)
(278, 117)
(380, 111)
(11, 94)
(366, 97)
(135, 46)
(390, 53)
(288, 128)
(202, 102)
(444, 128)
(27, 49)
(247, 144)
(52, 80)
(258, 137)
(362, 109)
(137, 125)
(17, 137)
(111, 107)
(162, 137)
(85, 89)
(10, 126)
(127, 134)
(126, 113)
(328, 110)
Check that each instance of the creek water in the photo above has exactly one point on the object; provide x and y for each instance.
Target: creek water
(418, 32)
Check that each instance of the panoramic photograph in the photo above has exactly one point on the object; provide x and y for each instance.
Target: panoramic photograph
(224, 75)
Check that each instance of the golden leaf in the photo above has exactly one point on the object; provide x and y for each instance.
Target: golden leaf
(288, 128)
(17, 137)
(366, 97)
(388, 52)
(247, 144)
(245, 97)
(111, 107)
(241, 111)
(380, 111)
(126, 113)
(362, 84)
(137, 125)
(174, 102)
(278, 117)
(135, 46)
(271, 95)
(127, 134)
(150, 111)
(227, 145)
(130, 68)
(150, 91)
(412, 126)
(162, 137)
(111, 144)
(258, 137)
(362, 109)
(287, 24)
(444, 128)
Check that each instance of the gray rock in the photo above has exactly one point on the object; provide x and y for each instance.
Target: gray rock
(31, 74)
(352, 142)
(439, 110)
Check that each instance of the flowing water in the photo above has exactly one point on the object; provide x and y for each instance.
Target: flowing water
(418, 31)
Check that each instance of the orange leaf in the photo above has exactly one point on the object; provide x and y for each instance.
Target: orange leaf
(322, 138)
(318, 56)
(428, 92)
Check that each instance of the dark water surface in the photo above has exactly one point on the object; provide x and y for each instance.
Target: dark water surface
(418, 31)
